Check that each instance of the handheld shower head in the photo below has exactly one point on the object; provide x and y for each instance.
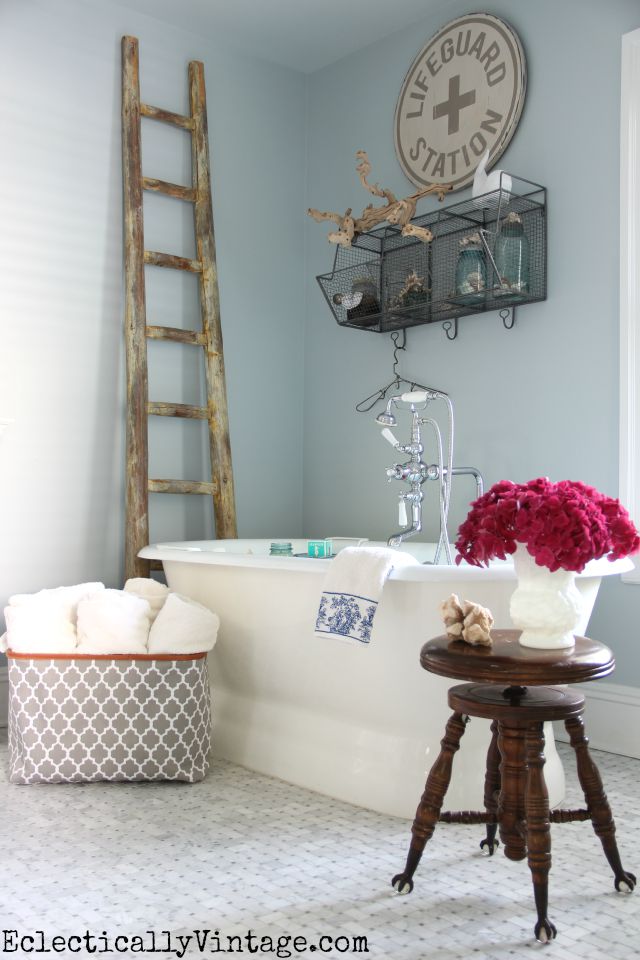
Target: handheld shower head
(415, 396)
(387, 419)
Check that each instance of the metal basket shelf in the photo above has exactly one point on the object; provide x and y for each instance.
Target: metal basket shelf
(387, 282)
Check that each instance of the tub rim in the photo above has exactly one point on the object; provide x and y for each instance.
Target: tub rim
(212, 552)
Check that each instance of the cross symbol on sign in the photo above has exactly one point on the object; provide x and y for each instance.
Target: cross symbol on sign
(451, 108)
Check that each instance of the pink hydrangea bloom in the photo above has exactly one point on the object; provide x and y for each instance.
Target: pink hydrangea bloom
(563, 525)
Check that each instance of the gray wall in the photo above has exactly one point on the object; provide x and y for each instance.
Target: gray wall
(61, 340)
(539, 400)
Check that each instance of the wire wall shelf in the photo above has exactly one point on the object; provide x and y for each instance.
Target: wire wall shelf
(385, 281)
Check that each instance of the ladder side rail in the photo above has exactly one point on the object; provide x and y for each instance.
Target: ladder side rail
(219, 442)
(137, 444)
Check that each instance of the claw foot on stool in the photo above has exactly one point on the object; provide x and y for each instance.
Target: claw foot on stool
(545, 931)
(402, 884)
(490, 841)
(491, 846)
(625, 882)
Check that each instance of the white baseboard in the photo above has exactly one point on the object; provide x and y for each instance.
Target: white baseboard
(612, 718)
(4, 695)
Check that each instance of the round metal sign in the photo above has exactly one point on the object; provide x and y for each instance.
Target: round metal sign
(463, 94)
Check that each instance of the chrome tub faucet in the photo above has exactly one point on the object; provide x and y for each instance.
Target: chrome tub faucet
(415, 471)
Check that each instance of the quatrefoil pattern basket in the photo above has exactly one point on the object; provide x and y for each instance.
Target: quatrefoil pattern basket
(83, 719)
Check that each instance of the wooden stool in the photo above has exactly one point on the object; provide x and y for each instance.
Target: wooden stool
(515, 794)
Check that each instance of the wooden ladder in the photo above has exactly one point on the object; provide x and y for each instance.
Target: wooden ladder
(138, 484)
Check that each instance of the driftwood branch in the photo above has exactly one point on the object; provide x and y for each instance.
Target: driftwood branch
(363, 168)
(346, 224)
(397, 212)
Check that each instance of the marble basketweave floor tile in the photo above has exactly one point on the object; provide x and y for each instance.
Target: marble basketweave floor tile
(241, 852)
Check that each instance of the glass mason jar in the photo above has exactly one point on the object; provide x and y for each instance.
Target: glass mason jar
(471, 271)
(281, 548)
(512, 256)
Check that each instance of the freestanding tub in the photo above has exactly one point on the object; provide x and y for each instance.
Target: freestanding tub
(362, 724)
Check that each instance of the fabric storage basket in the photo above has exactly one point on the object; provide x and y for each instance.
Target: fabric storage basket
(79, 719)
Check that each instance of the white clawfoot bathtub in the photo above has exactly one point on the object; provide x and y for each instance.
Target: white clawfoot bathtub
(362, 724)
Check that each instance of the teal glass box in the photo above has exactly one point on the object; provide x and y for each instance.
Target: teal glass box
(319, 548)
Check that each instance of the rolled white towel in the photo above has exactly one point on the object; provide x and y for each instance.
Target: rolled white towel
(45, 622)
(67, 598)
(113, 622)
(150, 590)
(43, 627)
(183, 626)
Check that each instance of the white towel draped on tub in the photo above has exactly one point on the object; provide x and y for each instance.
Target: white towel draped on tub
(352, 590)
(45, 622)
(113, 621)
(150, 590)
(183, 626)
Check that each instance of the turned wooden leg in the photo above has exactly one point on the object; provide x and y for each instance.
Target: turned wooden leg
(430, 805)
(536, 801)
(597, 803)
(511, 743)
(492, 789)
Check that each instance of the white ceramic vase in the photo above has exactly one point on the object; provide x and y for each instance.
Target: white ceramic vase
(545, 605)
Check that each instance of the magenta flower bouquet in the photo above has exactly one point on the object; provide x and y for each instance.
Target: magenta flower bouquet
(562, 525)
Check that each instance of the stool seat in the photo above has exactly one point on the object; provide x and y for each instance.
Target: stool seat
(517, 689)
(505, 661)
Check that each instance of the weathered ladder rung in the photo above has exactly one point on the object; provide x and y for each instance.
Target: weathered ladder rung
(169, 260)
(181, 486)
(177, 410)
(169, 189)
(156, 113)
(175, 333)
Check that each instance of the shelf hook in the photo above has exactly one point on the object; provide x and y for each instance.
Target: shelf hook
(397, 346)
(448, 325)
(504, 316)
